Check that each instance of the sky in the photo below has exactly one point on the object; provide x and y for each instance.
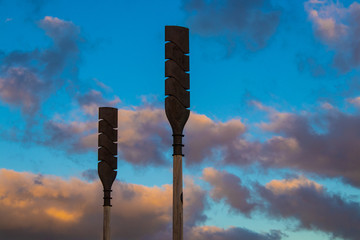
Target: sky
(272, 144)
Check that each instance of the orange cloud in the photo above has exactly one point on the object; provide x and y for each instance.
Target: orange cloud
(49, 207)
(287, 185)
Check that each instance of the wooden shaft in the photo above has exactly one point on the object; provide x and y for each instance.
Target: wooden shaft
(177, 198)
(106, 227)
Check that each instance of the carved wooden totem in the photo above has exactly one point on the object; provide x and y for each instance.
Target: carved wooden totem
(177, 103)
(107, 165)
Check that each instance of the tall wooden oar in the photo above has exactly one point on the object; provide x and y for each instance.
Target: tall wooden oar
(176, 104)
(107, 165)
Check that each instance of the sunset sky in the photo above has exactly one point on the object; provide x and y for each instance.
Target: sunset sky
(272, 145)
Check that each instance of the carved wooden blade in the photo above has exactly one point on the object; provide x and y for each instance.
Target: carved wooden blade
(107, 151)
(173, 88)
(173, 52)
(178, 82)
(107, 175)
(177, 114)
(179, 36)
(172, 69)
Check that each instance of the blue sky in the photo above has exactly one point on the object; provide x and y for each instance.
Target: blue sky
(272, 141)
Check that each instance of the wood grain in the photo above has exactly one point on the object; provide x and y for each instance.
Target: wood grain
(177, 198)
(106, 227)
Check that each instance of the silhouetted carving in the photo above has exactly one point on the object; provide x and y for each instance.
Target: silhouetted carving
(107, 150)
(177, 103)
(178, 82)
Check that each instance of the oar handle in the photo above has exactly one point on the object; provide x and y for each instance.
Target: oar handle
(177, 198)
(106, 226)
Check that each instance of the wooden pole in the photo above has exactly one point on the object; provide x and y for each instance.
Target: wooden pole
(106, 226)
(177, 198)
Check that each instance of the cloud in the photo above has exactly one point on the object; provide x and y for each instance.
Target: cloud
(248, 21)
(144, 136)
(22, 88)
(50, 207)
(27, 79)
(313, 207)
(74, 136)
(90, 175)
(333, 152)
(228, 187)
(287, 185)
(92, 100)
(232, 233)
(355, 101)
(205, 137)
(43, 207)
(310, 64)
(339, 28)
(324, 143)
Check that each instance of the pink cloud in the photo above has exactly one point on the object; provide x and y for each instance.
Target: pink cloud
(338, 27)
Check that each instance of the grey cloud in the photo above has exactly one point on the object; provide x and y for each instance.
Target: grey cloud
(92, 100)
(144, 137)
(339, 28)
(229, 187)
(23, 88)
(194, 214)
(72, 137)
(313, 207)
(252, 22)
(205, 137)
(90, 175)
(28, 78)
(333, 153)
(311, 64)
(234, 233)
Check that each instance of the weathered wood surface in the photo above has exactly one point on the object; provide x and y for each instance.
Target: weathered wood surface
(106, 227)
(177, 103)
(107, 151)
(177, 198)
(107, 165)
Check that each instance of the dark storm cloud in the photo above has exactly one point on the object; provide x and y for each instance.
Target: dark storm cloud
(252, 22)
